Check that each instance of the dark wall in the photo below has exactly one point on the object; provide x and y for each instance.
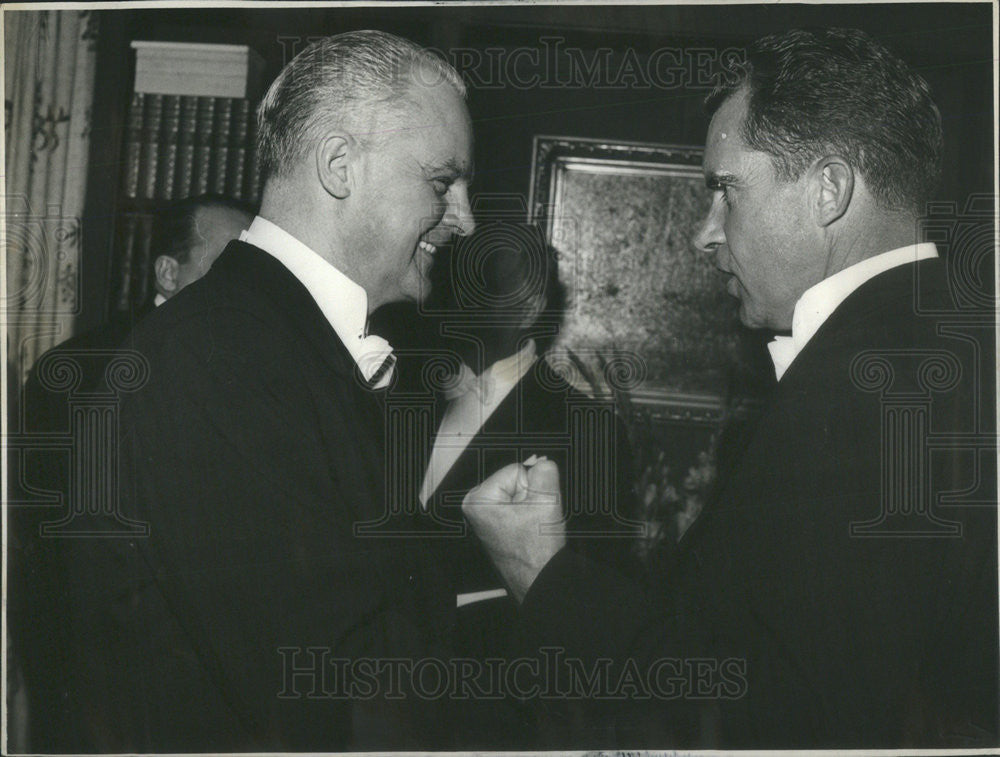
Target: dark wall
(949, 43)
(524, 94)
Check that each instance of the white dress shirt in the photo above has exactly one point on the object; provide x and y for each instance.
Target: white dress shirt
(818, 302)
(468, 412)
(343, 303)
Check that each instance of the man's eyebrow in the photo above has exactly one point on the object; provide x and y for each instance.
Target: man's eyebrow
(452, 167)
(719, 179)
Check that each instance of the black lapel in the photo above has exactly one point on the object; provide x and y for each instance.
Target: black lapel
(267, 278)
(893, 291)
(464, 473)
(897, 290)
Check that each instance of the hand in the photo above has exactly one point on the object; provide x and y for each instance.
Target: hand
(517, 513)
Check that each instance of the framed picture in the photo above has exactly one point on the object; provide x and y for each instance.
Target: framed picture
(645, 309)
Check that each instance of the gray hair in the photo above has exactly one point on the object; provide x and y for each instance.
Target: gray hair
(341, 80)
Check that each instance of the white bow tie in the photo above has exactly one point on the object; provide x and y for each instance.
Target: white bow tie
(466, 381)
(376, 361)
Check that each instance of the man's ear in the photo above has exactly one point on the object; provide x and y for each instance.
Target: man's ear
(833, 188)
(332, 163)
(166, 270)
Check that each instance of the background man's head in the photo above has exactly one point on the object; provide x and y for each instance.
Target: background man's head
(365, 146)
(504, 280)
(190, 234)
(821, 152)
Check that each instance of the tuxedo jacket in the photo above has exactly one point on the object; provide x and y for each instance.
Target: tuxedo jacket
(841, 588)
(258, 554)
(542, 415)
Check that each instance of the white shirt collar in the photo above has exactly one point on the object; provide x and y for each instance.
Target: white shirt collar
(504, 374)
(818, 302)
(343, 303)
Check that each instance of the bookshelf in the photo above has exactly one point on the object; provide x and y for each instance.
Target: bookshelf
(190, 129)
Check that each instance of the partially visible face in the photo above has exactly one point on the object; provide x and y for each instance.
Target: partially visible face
(215, 228)
(414, 194)
(758, 227)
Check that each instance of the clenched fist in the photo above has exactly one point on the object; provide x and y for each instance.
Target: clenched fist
(517, 513)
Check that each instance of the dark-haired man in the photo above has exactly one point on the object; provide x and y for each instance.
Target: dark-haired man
(505, 404)
(256, 451)
(188, 235)
(841, 589)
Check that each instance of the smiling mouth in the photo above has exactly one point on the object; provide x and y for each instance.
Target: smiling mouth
(427, 247)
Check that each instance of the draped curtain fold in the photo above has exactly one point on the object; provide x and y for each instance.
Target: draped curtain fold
(50, 59)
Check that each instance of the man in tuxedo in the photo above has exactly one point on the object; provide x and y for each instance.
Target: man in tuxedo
(188, 235)
(841, 588)
(504, 404)
(253, 457)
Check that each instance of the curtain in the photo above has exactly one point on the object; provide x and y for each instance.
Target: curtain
(49, 63)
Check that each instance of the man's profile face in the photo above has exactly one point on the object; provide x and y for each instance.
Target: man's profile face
(758, 227)
(414, 193)
(215, 228)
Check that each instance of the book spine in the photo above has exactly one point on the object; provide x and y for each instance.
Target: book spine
(133, 145)
(126, 254)
(167, 160)
(220, 144)
(202, 144)
(149, 151)
(238, 149)
(185, 147)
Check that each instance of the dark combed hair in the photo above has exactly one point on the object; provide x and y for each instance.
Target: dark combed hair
(500, 268)
(505, 265)
(821, 91)
(175, 228)
(519, 267)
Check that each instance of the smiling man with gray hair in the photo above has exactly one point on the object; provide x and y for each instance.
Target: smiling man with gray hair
(256, 448)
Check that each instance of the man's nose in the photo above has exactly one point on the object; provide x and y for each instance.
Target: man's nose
(459, 214)
(710, 235)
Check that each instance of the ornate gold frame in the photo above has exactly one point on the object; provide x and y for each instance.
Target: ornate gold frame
(639, 277)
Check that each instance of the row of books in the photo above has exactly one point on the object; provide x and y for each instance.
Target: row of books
(131, 281)
(180, 146)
